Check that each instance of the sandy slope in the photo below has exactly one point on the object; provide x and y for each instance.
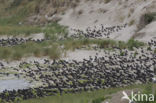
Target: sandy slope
(117, 12)
(148, 32)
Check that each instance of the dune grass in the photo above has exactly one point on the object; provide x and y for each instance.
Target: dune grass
(19, 30)
(50, 30)
(30, 49)
(54, 31)
(54, 48)
(134, 43)
(103, 44)
(71, 44)
(85, 97)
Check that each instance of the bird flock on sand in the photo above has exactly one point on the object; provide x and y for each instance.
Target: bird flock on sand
(62, 76)
(17, 41)
(117, 68)
(97, 32)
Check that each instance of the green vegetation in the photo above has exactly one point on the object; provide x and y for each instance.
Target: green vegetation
(18, 100)
(103, 44)
(135, 54)
(52, 47)
(131, 44)
(54, 31)
(19, 30)
(134, 43)
(50, 30)
(84, 97)
(122, 53)
(149, 89)
(29, 49)
(149, 49)
(98, 100)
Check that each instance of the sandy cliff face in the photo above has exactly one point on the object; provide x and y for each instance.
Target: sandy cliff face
(115, 12)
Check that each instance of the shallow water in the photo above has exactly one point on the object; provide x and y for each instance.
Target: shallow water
(13, 84)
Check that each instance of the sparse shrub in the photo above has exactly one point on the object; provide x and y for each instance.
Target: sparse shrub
(121, 18)
(146, 19)
(131, 22)
(149, 49)
(149, 17)
(122, 53)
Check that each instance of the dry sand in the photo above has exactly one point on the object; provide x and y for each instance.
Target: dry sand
(116, 12)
